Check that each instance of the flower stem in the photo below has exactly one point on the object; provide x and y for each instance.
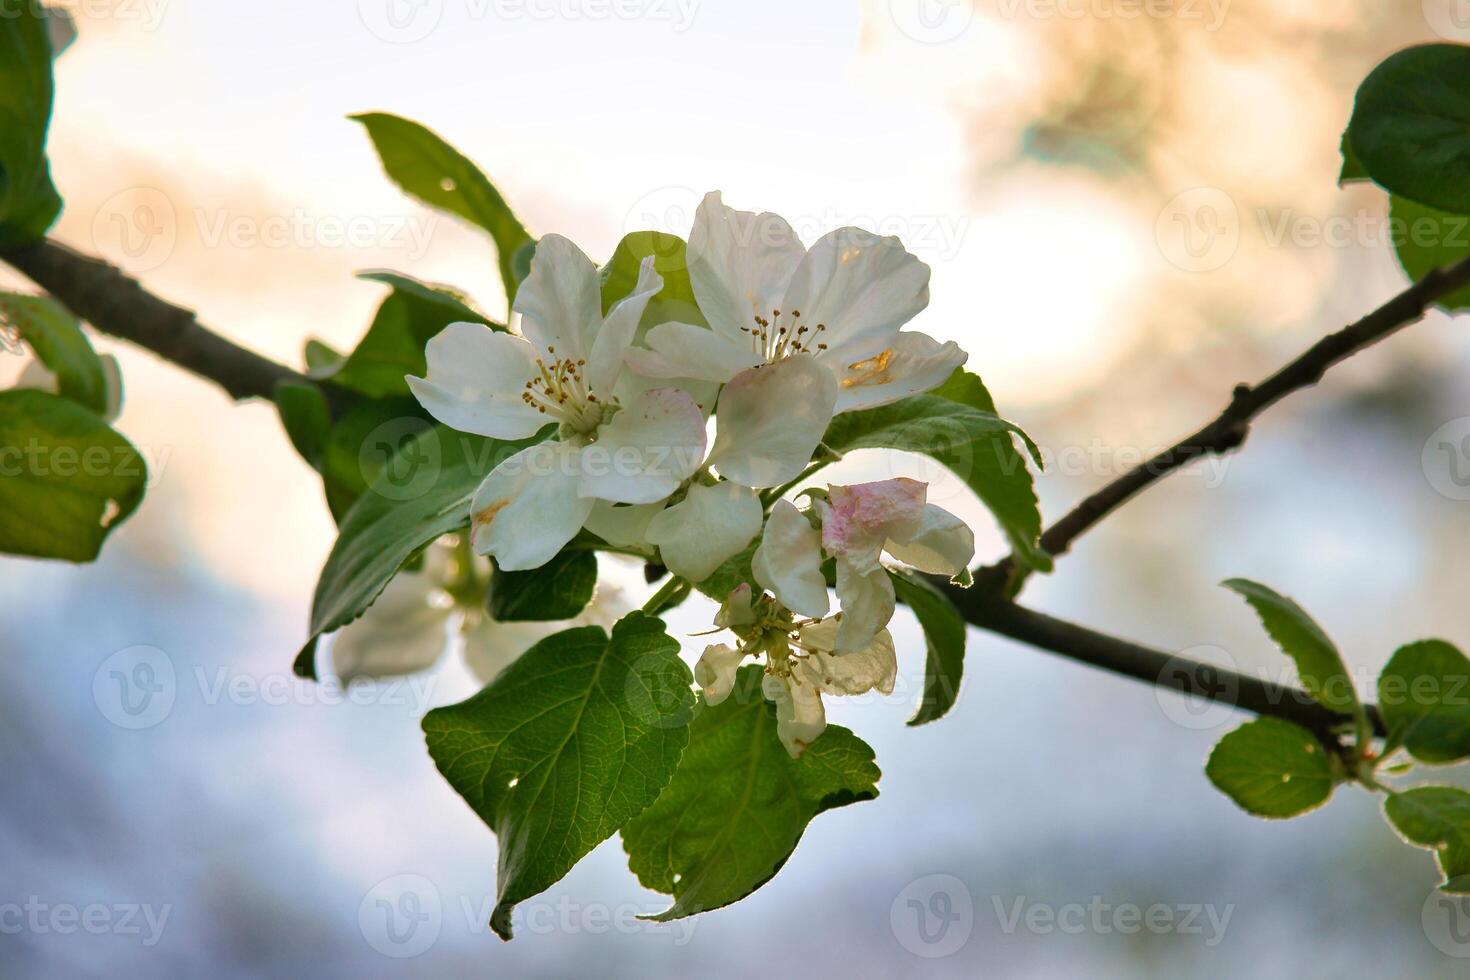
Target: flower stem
(673, 592)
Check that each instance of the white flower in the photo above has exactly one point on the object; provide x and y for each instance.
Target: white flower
(802, 664)
(567, 369)
(858, 524)
(410, 625)
(794, 334)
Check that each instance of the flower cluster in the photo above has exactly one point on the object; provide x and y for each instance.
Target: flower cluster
(792, 337)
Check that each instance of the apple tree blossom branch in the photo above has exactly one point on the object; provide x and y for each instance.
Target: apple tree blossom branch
(116, 304)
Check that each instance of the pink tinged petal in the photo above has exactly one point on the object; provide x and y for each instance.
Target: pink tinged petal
(862, 288)
(402, 632)
(623, 525)
(861, 518)
(647, 450)
(475, 381)
(770, 420)
(709, 526)
(683, 350)
(715, 671)
(942, 545)
(867, 602)
(739, 264)
(914, 364)
(560, 302)
(873, 668)
(788, 561)
(529, 507)
(800, 717)
(605, 362)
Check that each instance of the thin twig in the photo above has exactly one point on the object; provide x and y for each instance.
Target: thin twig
(1229, 430)
(105, 297)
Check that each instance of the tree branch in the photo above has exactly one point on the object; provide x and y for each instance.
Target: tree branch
(1155, 667)
(101, 294)
(1229, 430)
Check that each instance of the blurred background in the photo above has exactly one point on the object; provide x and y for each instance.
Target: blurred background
(1129, 206)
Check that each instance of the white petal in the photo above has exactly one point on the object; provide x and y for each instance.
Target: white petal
(800, 717)
(476, 379)
(528, 508)
(560, 302)
(875, 667)
(711, 524)
(740, 264)
(770, 420)
(683, 350)
(402, 632)
(862, 288)
(737, 609)
(867, 602)
(648, 449)
(859, 520)
(914, 364)
(788, 561)
(943, 544)
(490, 646)
(623, 525)
(613, 340)
(36, 375)
(715, 671)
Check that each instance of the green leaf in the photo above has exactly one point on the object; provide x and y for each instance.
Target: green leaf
(731, 575)
(569, 743)
(1437, 818)
(1425, 239)
(66, 479)
(363, 441)
(56, 338)
(558, 590)
(1271, 768)
(432, 171)
(304, 415)
(738, 804)
(1411, 125)
(1300, 638)
(1352, 167)
(321, 360)
(29, 203)
(944, 637)
(675, 302)
(426, 492)
(1424, 695)
(974, 443)
(393, 346)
